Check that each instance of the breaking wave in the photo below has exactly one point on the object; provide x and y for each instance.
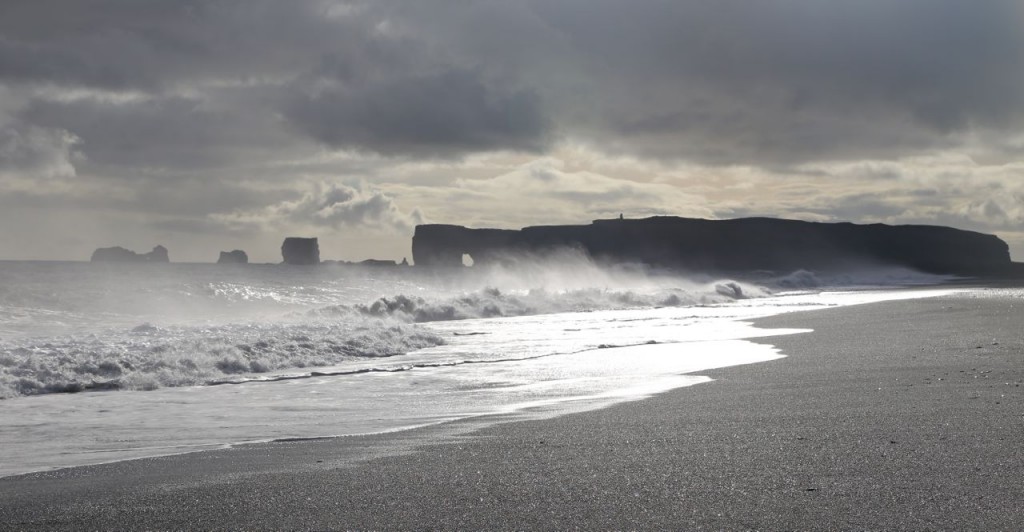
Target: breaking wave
(494, 303)
(149, 357)
(69, 328)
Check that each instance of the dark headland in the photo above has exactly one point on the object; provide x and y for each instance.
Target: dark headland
(738, 245)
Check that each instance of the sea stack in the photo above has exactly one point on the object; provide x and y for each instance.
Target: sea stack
(233, 257)
(159, 254)
(120, 254)
(302, 251)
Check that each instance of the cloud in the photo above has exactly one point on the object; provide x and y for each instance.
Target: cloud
(767, 83)
(450, 112)
(545, 191)
(772, 83)
(136, 135)
(34, 152)
(333, 206)
(942, 189)
(162, 45)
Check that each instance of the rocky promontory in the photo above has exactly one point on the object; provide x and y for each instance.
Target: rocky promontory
(738, 245)
(120, 254)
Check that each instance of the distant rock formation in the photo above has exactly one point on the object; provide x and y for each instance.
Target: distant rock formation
(233, 257)
(378, 262)
(120, 254)
(739, 245)
(159, 254)
(296, 250)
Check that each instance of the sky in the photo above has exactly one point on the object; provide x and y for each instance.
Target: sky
(210, 125)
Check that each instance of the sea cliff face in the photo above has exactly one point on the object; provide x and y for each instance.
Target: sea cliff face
(744, 244)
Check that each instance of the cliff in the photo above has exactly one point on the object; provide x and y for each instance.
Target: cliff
(744, 244)
(120, 254)
(296, 250)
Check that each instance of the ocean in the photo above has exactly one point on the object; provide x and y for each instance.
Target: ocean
(108, 362)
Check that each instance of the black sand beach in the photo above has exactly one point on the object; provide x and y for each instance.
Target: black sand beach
(902, 415)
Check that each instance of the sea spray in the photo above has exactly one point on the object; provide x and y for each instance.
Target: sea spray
(546, 362)
(149, 357)
(493, 302)
(67, 327)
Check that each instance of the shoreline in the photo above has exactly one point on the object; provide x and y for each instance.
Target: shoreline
(836, 435)
(93, 440)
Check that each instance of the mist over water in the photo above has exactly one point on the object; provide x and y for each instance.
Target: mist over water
(67, 327)
(180, 357)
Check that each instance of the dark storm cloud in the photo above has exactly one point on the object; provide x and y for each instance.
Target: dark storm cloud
(148, 132)
(385, 93)
(770, 83)
(775, 81)
(182, 133)
(422, 115)
(157, 44)
(755, 82)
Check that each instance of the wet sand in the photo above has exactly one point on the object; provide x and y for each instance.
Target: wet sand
(899, 415)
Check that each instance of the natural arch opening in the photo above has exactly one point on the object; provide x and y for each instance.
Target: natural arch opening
(467, 260)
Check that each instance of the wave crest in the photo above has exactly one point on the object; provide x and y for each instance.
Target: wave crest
(493, 302)
(148, 357)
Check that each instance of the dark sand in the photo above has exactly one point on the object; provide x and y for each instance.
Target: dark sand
(904, 415)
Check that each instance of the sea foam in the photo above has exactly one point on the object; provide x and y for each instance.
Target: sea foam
(75, 327)
(149, 357)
